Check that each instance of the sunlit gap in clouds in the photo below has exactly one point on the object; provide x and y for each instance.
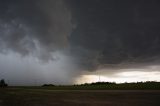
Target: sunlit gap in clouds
(120, 77)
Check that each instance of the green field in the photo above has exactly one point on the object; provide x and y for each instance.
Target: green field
(38, 96)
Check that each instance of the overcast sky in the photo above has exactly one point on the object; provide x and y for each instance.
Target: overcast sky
(75, 41)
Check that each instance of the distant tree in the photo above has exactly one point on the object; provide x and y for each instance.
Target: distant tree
(2, 83)
(48, 85)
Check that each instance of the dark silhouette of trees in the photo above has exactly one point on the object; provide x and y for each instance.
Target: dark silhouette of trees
(2, 83)
(48, 85)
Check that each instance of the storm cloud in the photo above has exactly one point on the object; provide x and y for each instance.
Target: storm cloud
(110, 33)
(27, 26)
(55, 40)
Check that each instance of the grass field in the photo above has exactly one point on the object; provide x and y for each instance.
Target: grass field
(38, 96)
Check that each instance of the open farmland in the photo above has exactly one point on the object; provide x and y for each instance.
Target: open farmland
(47, 97)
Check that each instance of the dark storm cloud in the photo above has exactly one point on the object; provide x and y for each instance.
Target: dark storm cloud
(108, 33)
(26, 25)
(79, 35)
(33, 33)
(105, 33)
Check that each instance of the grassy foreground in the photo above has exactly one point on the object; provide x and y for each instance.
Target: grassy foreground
(95, 94)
